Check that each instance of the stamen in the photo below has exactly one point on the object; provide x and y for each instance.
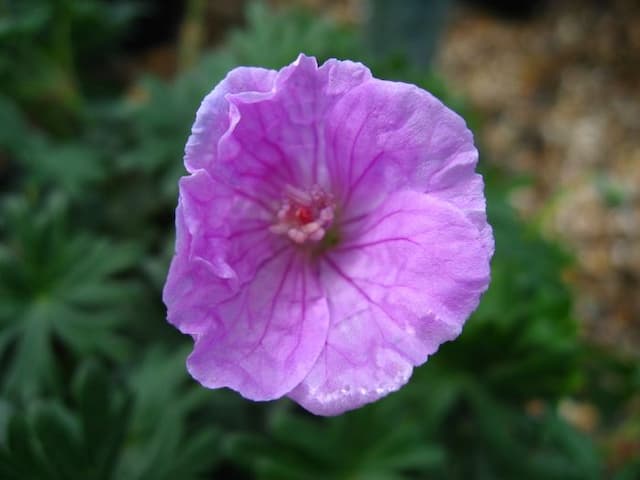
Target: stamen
(304, 216)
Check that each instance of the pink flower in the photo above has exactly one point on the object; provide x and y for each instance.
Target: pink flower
(331, 234)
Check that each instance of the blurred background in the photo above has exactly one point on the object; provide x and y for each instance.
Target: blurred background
(96, 101)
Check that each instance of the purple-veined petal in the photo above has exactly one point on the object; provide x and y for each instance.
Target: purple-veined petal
(386, 136)
(277, 138)
(403, 282)
(264, 340)
(254, 307)
(212, 118)
(221, 237)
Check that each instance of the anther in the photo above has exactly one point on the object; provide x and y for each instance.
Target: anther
(304, 216)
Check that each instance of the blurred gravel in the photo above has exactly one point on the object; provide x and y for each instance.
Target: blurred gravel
(559, 99)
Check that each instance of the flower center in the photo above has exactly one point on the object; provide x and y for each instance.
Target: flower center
(304, 216)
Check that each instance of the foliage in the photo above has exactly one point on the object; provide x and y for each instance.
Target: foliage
(57, 283)
(111, 431)
(44, 45)
(93, 383)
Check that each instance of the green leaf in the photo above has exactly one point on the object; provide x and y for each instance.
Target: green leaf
(61, 285)
(105, 416)
(59, 435)
(25, 457)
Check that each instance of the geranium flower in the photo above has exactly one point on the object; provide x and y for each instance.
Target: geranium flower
(331, 234)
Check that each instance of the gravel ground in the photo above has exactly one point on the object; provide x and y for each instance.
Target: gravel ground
(559, 98)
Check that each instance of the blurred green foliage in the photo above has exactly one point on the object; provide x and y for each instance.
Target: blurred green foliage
(93, 384)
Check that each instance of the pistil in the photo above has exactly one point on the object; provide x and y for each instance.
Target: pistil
(304, 216)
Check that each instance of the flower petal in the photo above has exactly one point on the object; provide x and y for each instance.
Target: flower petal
(257, 313)
(212, 118)
(194, 285)
(222, 236)
(385, 136)
(276, 138)
(404, 282)
(264, 340)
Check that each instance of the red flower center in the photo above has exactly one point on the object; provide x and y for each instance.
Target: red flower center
(304, 216)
